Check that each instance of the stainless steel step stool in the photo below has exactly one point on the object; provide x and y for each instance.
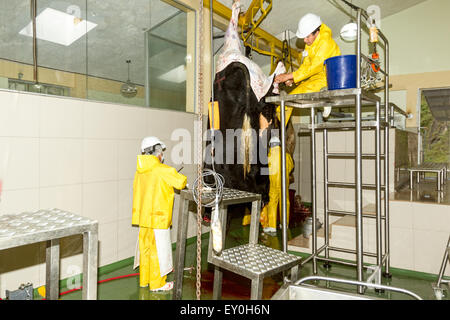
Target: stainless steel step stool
(251, 260)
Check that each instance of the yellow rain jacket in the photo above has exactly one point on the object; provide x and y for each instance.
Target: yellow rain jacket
(153, 192)
(311, 76)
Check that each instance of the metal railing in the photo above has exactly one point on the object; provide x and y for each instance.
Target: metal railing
(358, 283)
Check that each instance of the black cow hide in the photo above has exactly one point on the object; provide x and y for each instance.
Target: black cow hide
(238, 108)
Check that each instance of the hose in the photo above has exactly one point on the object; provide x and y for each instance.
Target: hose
(215, 188)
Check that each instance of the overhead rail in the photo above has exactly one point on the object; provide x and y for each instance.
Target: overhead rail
(253, 36)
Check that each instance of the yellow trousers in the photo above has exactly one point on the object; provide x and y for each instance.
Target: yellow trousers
(269, 213)
(149, 273)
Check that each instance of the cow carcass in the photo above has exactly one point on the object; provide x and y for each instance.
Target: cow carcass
(240, 151)
(241, 144)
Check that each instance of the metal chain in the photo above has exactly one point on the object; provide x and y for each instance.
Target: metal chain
(200, 151)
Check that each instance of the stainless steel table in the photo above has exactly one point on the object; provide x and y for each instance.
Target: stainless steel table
(51, 225)
(439, 168)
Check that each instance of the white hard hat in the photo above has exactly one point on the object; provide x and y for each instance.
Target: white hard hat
(151, 142)
(307, 24)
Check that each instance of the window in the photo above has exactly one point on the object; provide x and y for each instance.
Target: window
(129, 52)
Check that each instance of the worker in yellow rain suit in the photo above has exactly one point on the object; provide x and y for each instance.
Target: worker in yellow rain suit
(310, 77)
(269, 213)
(153, 197)
(319, 46)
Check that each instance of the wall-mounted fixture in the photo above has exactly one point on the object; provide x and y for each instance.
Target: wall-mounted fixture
(128, 89)
(349, 31)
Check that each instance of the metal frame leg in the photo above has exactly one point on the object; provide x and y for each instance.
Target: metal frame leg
(438, 291)
(90, 264)
(257, 288)
(378, 194)
(326, 197)
(52, 269)
(254, 224)
(314, 191)
(358, 163)
(180, 251)
(217, 287)
(294, 273)
(411, 177)
(284, 191)
(439, 181)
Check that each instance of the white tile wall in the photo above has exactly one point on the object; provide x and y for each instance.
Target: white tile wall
(16, 201)
(107, 237)
(18, 116)
(126, 238)
(53, 118)
(19, 163)
(100, 158)
(125, 199)
(69, 198)
(60, 161)
(101, 120)
(132, 122)
(127, 151)
(100, 201)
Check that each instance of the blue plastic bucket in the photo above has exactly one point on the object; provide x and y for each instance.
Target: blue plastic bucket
(341, 72)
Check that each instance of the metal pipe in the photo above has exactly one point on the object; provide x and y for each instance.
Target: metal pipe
(352, 156)
(386, 163)
(345, 263)
(358, 165)
(352, 185)
(359, 283)
(147, 68)
(33, 16)
(312, 256)
(313, 192)
(283, 174)
(368, 254)
(444, 263)
(352, 214)
(211, 15)
(378, 183)
(325, 191)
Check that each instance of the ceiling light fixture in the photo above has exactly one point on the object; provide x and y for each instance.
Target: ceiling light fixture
(349, 32)
(58, 27)
(128, 89)
(176, 75)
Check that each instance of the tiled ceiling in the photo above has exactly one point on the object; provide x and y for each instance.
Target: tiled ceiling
(121, 25)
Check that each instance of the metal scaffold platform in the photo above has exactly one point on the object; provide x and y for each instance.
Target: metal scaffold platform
(354, 98)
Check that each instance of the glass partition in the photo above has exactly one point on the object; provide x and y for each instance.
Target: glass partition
(167, 50)
(16, 51)
(128, 52)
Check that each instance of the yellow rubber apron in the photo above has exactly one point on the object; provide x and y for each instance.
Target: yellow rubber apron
(164, 250)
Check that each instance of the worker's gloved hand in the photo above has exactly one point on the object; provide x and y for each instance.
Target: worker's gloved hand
(326, 112)
(187, 186)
